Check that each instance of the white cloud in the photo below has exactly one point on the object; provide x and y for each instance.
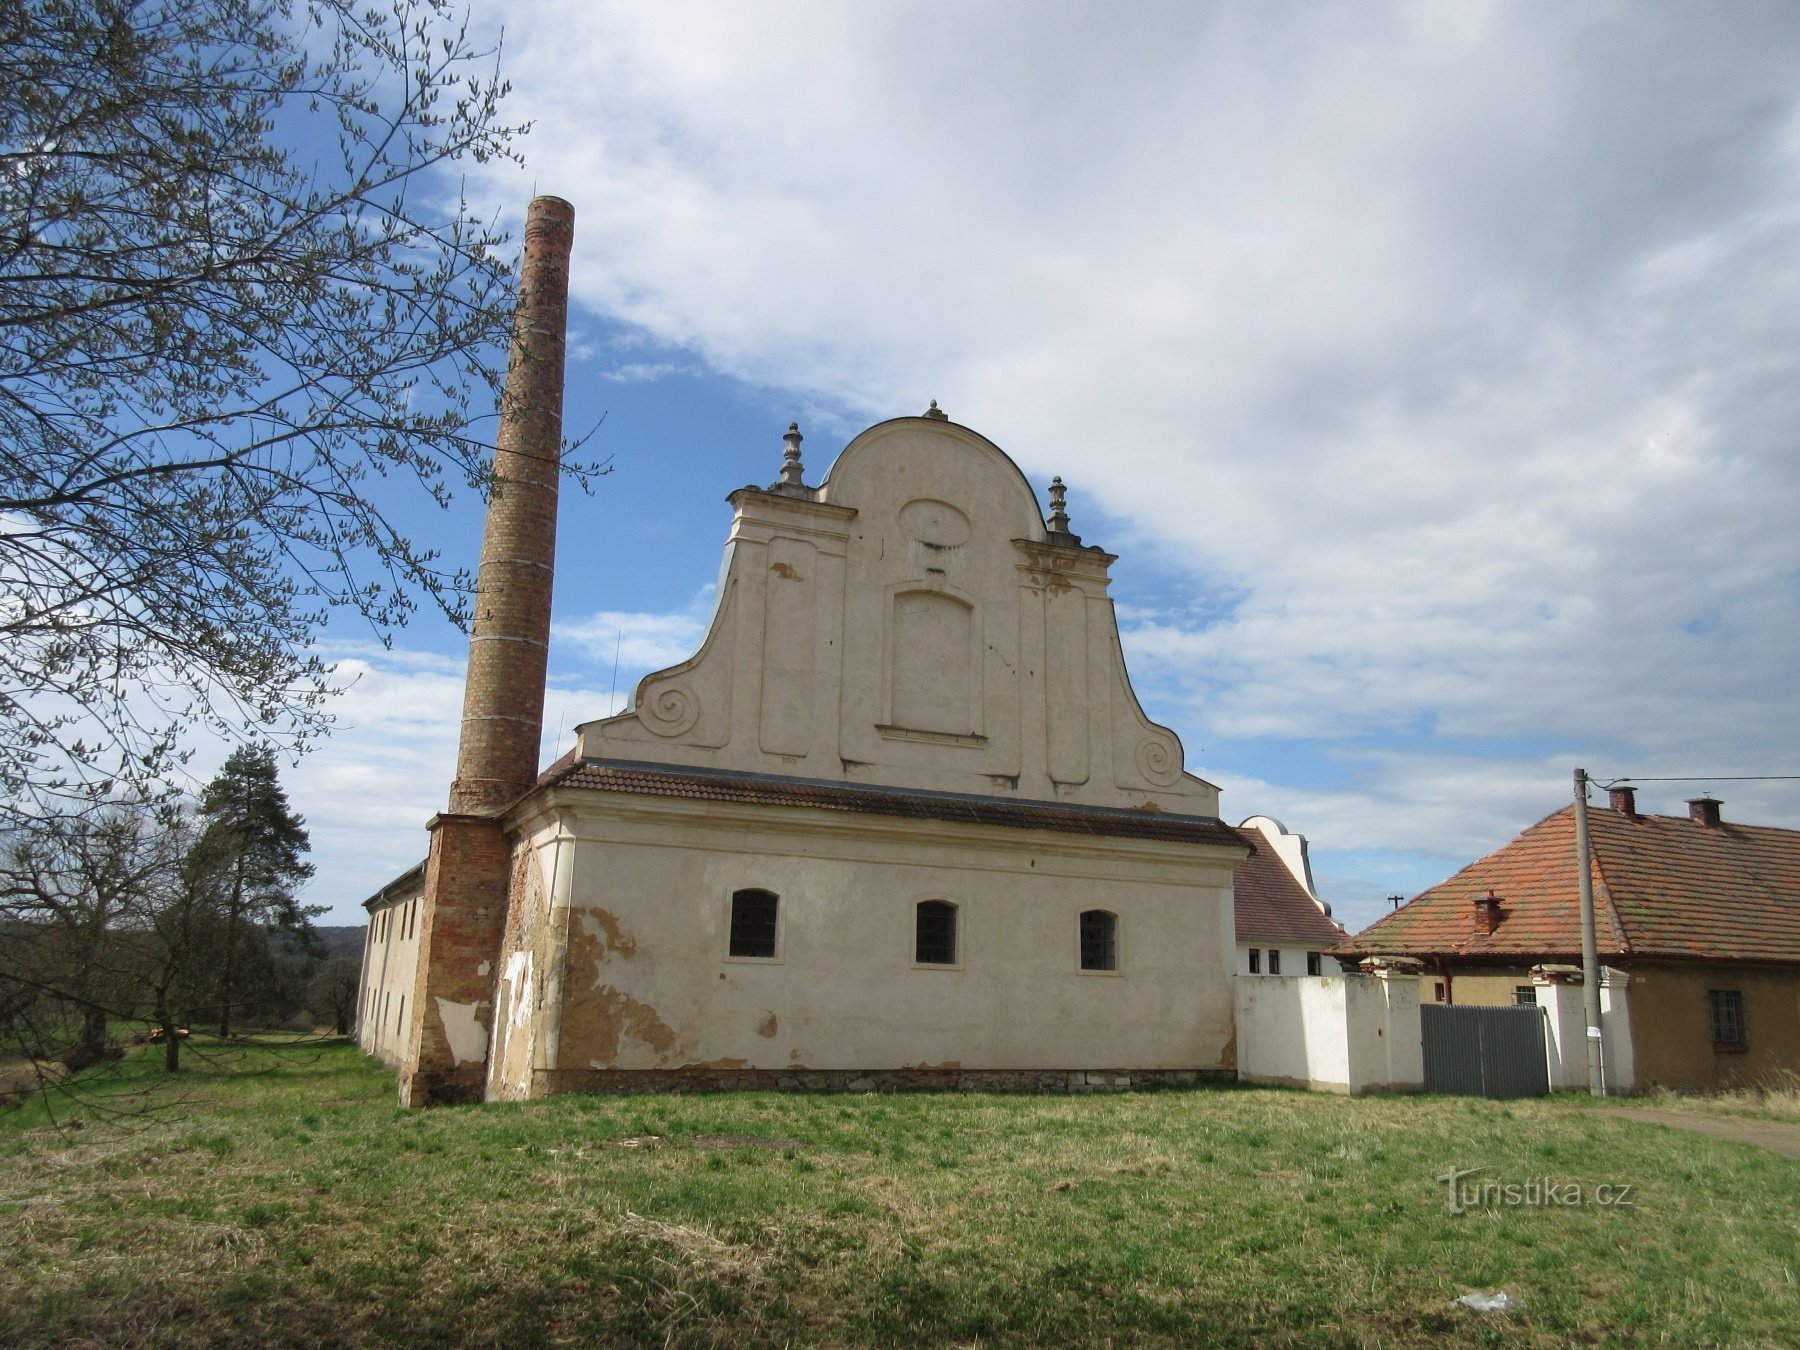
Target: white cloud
(1442, 354)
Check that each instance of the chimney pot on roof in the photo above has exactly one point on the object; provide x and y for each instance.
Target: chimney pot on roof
(1487, 911)
(1624, 800)
(1704, 811)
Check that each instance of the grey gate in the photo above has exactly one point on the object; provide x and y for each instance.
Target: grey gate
(1484, 1052)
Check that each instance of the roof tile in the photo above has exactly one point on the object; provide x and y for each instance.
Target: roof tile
(1664, 886)
(1274, 907)
(664, 780)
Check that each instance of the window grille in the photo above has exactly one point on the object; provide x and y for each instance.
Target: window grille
(1099, 940)
(1274, 961)
(753, 922)
(1315, 963)
(934, 933)
(1256, 960)
(1726, 1009)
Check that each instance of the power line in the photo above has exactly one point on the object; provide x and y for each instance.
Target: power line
(1702, 778)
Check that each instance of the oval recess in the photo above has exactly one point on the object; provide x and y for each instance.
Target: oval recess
(933, 522)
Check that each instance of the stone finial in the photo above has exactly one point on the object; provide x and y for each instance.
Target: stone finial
(936, 413)
(793, 472)
(1059, 516)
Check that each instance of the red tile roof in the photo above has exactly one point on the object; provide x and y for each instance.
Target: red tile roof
(1664, 886)
(1272, 906)
(673, 780)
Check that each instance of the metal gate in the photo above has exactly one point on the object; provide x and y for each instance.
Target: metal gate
(1484, 1052)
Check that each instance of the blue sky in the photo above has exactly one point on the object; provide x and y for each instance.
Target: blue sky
(1432, 368)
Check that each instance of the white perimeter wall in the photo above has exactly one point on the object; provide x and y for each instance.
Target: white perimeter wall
(1332, 1033)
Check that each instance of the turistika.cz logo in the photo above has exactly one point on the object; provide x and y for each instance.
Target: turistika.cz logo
(1534, 1193)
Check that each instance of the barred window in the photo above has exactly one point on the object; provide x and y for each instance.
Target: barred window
(1099, 940)
(1315, 963)
(1274, 961)
(934, 933)
(1726, 1008)
(1525, 995)
(1256, 960)
(753, 922)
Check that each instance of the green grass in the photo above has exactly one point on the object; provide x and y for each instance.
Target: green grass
(287, 1201)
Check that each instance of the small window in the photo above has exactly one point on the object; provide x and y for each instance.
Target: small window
(753, 923)
(1525, 996)
(1726, 1009)
(1099, 940)
(934, 933)
(1437, 990)
(1315, 963)
(1255, 955)
(1274, 961)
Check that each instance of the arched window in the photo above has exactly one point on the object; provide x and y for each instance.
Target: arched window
(1099, 940)
(753, 922)
(934, 933)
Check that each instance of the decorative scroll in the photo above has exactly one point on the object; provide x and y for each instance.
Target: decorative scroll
(671, 710)
(1159, 760)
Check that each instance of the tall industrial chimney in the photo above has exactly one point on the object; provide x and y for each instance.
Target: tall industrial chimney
(466, 877)
(503, 700)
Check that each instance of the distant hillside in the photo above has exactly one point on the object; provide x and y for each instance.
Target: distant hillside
(342, 939)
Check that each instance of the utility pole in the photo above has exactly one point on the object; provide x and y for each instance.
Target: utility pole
(1590, 945)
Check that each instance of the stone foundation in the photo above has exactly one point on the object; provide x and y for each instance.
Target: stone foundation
(624, 1082)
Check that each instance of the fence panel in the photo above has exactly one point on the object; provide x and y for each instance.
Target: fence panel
(1484, 1052)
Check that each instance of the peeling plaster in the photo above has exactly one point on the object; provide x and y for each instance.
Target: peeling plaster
(518, 975)
(768, 1026)
(483, 968)
(463, 1030)
(618, 1015)
(604, 929)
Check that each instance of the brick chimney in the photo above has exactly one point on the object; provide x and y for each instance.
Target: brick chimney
(1704, 811)
(470, 866)
(1623, 799)
(1487, 911)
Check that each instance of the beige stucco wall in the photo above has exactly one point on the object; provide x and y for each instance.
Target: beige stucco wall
(626, 904)
(1671, 1030)
(390, 965)
(1482, 986)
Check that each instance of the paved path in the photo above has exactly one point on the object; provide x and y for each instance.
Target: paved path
(1779, 1135)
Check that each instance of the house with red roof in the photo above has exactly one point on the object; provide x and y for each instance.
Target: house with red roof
(1698, 917)
(1283, 928)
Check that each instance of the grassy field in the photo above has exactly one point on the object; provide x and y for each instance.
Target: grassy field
(287, 1201)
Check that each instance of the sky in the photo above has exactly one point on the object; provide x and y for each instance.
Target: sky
(1431, 367)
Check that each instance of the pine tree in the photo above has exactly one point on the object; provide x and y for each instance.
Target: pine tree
(251, 842)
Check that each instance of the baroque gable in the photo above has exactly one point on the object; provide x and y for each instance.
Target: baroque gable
(911, 622)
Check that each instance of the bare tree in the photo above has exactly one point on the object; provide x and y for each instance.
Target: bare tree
(236, 293)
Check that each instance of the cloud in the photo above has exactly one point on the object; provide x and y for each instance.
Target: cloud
(1437, 361)
(636, 642)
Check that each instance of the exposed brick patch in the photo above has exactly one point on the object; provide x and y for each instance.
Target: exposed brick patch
(466, 883)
